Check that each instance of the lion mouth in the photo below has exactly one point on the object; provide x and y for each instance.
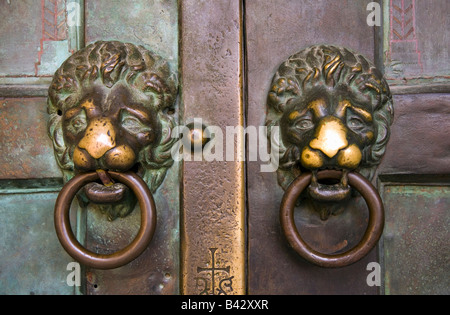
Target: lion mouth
(99, 193)
(108, 191)
(113, 198)
(329, 190)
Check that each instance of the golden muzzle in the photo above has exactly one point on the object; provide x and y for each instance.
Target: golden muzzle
(99, 146)
(331, 141)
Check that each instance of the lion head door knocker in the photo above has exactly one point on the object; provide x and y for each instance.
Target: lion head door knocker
(111, 109)
(333, 109)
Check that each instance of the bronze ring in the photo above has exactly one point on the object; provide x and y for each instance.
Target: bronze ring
(370, 238)
(123, 256)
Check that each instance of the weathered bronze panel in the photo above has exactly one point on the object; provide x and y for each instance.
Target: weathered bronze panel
(36, 29)
(25, 150)
(32, 261)
(213, 201)
(153, 24)
(20, 20)
(416, 247)
(411, 55)
(419, 136)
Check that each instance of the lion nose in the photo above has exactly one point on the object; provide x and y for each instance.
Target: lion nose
(99, 144)
(331, 140)
(99, 138)
(331, 136)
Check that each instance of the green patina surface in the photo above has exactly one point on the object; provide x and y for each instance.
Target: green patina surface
(32, 261)
(416, 246)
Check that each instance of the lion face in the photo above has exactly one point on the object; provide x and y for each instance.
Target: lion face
(111, 107)
(334, 109)
(330, 131)
(108, 129)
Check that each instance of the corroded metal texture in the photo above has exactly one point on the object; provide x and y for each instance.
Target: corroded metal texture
(32, 260)
(416, 247)
(414, 43)
(39, 29)
(24, 140)
(213, 203)
(153, 24)
(428, 149)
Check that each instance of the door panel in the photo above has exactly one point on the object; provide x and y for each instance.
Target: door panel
(32, 261)
(275, 30)
(415, 246)
(414, 180)
(412, 56)
(418, 146)
(25, 140)
(36, 29)
(46, 33)
(213, 193)
(414, 176)
(427, 149)
(153, 24)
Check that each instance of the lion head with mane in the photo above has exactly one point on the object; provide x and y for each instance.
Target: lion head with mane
(334, 109)
(111, 107)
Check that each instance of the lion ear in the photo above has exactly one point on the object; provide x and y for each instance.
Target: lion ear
(384, 117)
(157, 159)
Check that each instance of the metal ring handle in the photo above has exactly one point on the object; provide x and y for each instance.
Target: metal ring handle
(123, 256)
(370, 238)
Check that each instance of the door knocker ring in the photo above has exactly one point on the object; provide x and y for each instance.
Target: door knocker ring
(123, 256)
(368, 241)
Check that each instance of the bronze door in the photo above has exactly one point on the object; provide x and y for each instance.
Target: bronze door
(412, 177)
(218, 229)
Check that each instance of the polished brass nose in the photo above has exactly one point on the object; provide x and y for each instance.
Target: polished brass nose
(331, 136)
(99, 138)
(99, 142)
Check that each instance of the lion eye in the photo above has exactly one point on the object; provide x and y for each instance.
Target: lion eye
(78, 123)
(304, 124)
(133, 124)
(355, 123)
